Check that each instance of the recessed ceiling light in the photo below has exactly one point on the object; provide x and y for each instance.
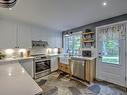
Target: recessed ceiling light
(10, 9)
(104, 3)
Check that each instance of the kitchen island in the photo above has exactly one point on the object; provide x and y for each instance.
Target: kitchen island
(14, 80)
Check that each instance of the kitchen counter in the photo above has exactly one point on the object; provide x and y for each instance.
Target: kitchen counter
(14, 80)
(13, 59)
(82, 58)
(64, 59)
(51, 55)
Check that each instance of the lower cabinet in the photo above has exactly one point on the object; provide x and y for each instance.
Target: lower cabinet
(82, 69)
(90, 70)
(28, 66)
(54, 63)
(65, 68)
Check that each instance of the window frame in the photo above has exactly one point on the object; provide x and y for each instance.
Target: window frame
(68, 45)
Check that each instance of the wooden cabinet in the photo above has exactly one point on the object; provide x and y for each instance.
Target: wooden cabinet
(87, 72)
(90, 71)
(64, 67)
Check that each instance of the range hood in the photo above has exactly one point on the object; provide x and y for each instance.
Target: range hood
(7, 3)
(40, 43)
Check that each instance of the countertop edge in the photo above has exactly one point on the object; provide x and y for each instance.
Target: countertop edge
(16, 59)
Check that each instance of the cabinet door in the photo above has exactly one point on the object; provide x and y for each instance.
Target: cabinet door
(24, 36)
(28, 66)
(36, 34)
(54, 64)
(59, 40)
(51, 39)
(7, 34)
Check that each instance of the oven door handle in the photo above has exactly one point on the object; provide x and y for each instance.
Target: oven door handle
(42, 60)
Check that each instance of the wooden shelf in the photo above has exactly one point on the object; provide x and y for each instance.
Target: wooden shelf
(87, 41)
(87, 33)
(89, 48)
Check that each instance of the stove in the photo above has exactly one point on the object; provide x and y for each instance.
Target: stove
(42, 65)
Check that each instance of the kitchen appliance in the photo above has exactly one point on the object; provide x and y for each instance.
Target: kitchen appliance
(42, 65)
(78, 68)
(7, 3)
(39, 44)
(87, 53)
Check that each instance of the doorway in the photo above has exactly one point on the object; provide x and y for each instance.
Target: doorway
(111, 56)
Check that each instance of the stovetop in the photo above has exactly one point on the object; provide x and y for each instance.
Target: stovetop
(39, 56)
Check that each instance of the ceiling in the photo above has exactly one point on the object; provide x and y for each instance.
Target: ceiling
(62, 15)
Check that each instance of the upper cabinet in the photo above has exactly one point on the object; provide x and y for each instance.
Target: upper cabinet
(14, 35)
(24, 36)
(8, 34)
(54, 39)
(36, 34)
(20, 35)
(59, 40)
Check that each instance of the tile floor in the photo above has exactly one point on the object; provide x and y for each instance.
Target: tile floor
(56, 84)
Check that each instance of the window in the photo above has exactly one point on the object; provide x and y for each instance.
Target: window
(72, 44)
(110, 51)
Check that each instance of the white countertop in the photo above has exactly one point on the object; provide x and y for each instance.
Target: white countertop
(14, 59)
(14, 80)
(77, 57)
(83, 58)
(51, 55)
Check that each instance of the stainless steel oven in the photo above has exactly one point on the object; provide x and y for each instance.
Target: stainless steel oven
(42, 65)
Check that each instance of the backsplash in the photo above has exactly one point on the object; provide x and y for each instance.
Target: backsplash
(38, 50)
(41, 50)
(14, 53)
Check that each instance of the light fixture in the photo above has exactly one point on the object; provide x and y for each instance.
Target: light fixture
(10, 9)
(22, 50)
(67, 34)
(9, 51)
(23, 70)
(7, 3)
(104, 3)
(49, 50)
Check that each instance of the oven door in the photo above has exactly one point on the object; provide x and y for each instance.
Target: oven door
(42, 66)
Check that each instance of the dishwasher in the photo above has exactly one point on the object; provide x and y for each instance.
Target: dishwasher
(78, 68)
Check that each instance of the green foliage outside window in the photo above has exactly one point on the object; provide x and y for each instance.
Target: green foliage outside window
(110, 51)
(73, 45)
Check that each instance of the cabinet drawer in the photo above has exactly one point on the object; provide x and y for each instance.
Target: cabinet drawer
(67, 69)
(62, 67)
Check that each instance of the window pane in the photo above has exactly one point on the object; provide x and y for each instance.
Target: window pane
(110, 51)
(73, 44)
